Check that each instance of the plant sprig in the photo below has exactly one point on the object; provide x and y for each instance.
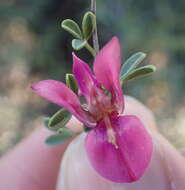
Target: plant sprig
(82, 35)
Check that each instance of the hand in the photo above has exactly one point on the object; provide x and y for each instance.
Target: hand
(32, 165)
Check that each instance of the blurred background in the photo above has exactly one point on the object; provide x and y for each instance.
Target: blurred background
(33, 47)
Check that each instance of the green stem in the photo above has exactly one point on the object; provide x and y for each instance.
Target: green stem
(90, 49)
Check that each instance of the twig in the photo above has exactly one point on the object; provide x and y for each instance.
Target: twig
(95, 33)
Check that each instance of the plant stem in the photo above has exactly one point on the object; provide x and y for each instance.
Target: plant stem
(90, 49)
(95, 33)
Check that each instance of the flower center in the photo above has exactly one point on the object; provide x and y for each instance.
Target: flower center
(99, 104)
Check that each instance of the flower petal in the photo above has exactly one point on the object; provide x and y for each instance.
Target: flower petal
(128, 162)
(60, 94)
(84, 76)
(107, 70)
(87, 83)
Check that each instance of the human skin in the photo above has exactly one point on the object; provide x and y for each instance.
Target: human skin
(32, 165)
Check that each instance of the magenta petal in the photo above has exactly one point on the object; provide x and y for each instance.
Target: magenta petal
(107, 70)
(127, 163)
(85, 79)
(83, 75)
(60, 94)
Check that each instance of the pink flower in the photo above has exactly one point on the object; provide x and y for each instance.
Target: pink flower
(118, 146)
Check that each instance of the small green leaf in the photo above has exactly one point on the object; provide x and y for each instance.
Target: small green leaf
(46, 124)
(131, 63)
(71, 82)
(78, 44)
(88, 24)
(139, 72)
(59, 119)
(72, 27)
(59, 138)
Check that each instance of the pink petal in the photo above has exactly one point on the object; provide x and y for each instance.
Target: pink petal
(86, 81)
(84, 76)
(127, 163)
(60, 94)
(107, 70)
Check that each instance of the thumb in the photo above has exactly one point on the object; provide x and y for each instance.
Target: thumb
(166, 170)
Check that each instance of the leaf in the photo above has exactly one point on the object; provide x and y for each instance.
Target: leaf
(59, 119)
(72, 27)
(131, 63)
(71, 82)
(78, 44)
(60, 138)
(139, 72)
(53, 128)
(88, 24)
(46, 124)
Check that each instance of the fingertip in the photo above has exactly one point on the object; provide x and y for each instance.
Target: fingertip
(134, 107)
(31, 163)
(75, 124)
